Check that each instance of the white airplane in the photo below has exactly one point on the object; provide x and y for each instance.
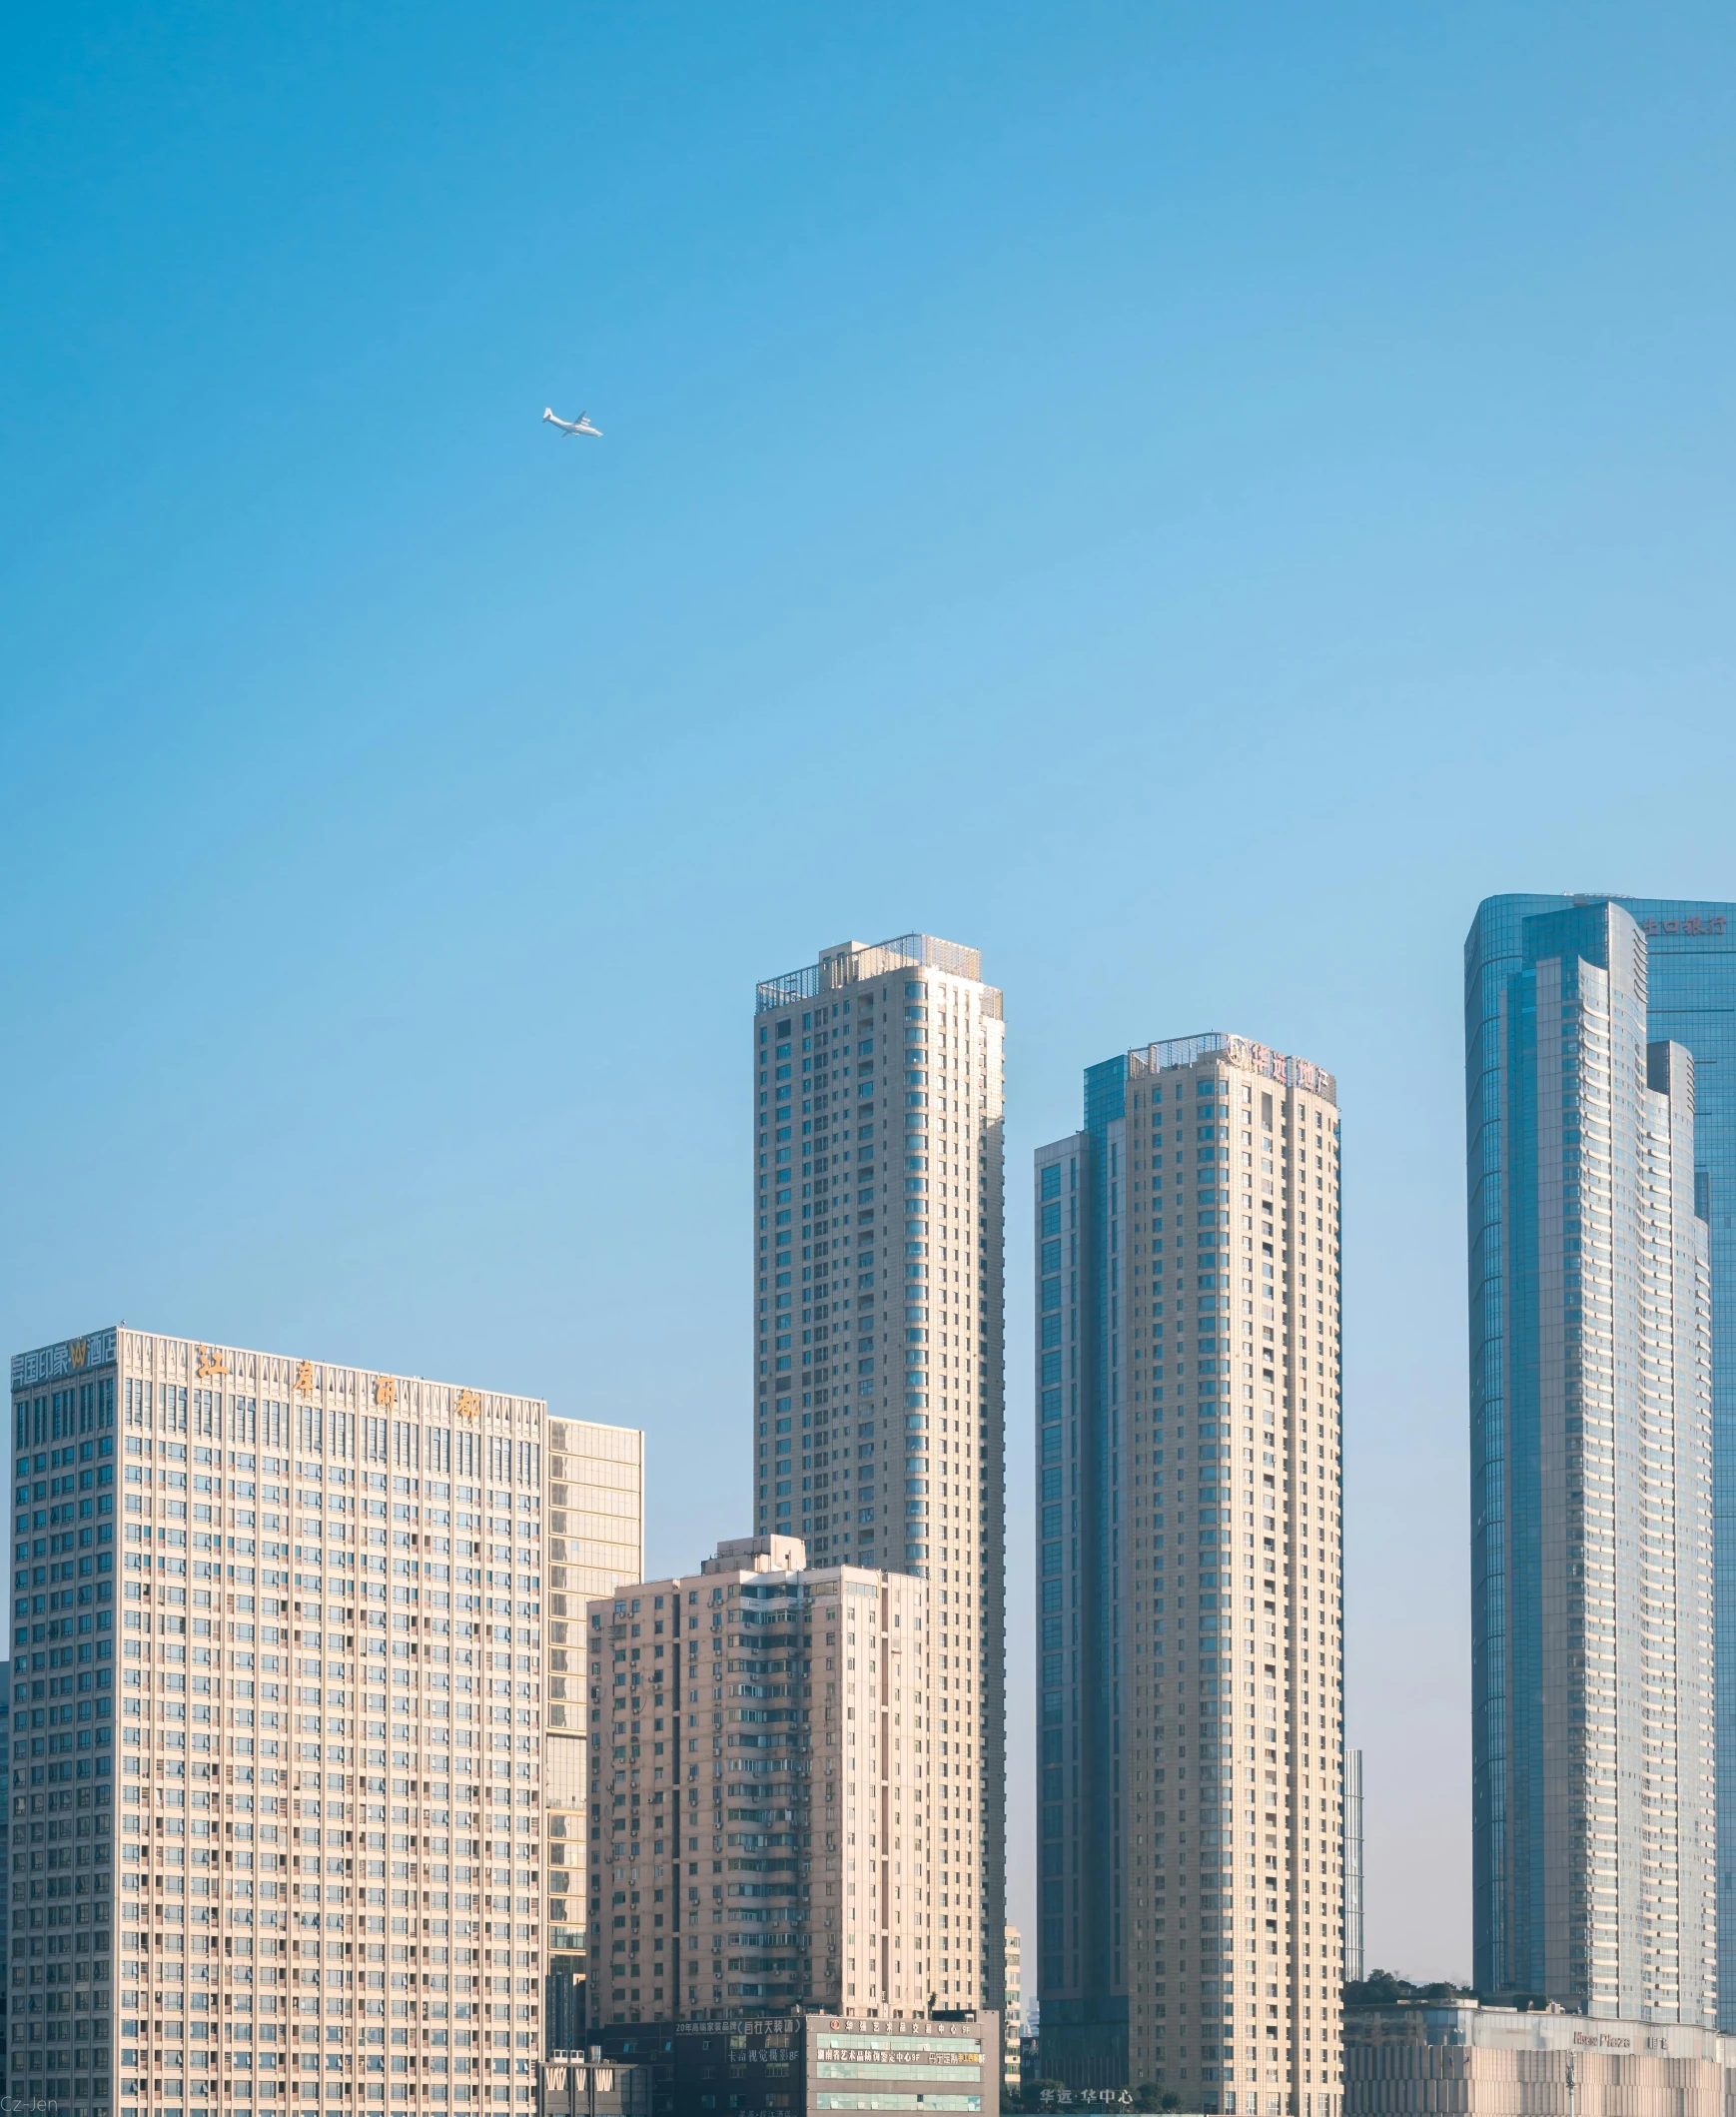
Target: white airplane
(575, 427)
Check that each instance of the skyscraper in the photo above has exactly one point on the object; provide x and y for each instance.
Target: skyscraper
(5, 1847)
(1690, 1000)
(764, 1807)
(277, 1726)
(1594, 1766)
(596, 1537)
(878, 1418)
(1189, 1576)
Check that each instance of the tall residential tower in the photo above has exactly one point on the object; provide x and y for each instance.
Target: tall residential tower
(878, 1418)
(1594, 1767)
(766, 1824)
(1190, 1574)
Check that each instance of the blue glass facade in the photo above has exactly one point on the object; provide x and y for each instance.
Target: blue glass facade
(1083, 1997)
(1082, 1193)
(1590, 1128)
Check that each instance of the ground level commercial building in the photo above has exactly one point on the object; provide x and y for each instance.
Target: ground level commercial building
(1460, 2059)
(809, 2063)
(586, 2083)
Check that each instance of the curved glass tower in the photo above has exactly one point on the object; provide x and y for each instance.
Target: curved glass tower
(1594, 1767)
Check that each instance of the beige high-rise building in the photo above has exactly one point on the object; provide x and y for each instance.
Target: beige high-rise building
(764, 1807)
(278, 1734)
(1189, 1612)
(596, 1538)
(878, 1417)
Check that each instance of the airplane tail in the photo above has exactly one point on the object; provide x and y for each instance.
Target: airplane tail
(548, 412)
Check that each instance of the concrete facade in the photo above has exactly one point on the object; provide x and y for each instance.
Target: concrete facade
(764, 1809)
(879, 1403)
(596, 1538)
(776, 2065)
(1190, 1581)
(1456, 2059)
(284, 1804)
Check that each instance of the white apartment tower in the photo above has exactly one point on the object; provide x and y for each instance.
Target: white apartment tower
(1188, 1583)
(277, 1735)
(878, 1418)
(764, 1808)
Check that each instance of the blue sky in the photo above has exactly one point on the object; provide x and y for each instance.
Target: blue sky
(1185, 498)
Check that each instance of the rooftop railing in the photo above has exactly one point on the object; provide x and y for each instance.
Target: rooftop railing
(1240, 1051)
(852, 965)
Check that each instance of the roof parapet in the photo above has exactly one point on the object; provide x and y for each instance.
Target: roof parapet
(852, 962)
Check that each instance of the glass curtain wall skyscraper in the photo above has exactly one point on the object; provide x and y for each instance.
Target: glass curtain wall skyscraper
(1190, 1581)
(1594, 1818)
(1691, 1000)
(878, 1414)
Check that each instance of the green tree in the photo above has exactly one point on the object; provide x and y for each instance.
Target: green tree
(1381, 1989)
(1034, 2091)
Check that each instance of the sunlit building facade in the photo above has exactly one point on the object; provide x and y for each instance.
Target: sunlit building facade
(1189, 1583)
(277, 1720)
(763, 1809)
(878, 1414)
(1592, 1450)
(596, 1538)
(1691, 1001)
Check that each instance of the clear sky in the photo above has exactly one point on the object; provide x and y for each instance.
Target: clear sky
(1184, 497)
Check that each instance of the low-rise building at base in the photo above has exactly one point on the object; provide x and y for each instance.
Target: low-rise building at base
(1458, 2059)
(803, 2064)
